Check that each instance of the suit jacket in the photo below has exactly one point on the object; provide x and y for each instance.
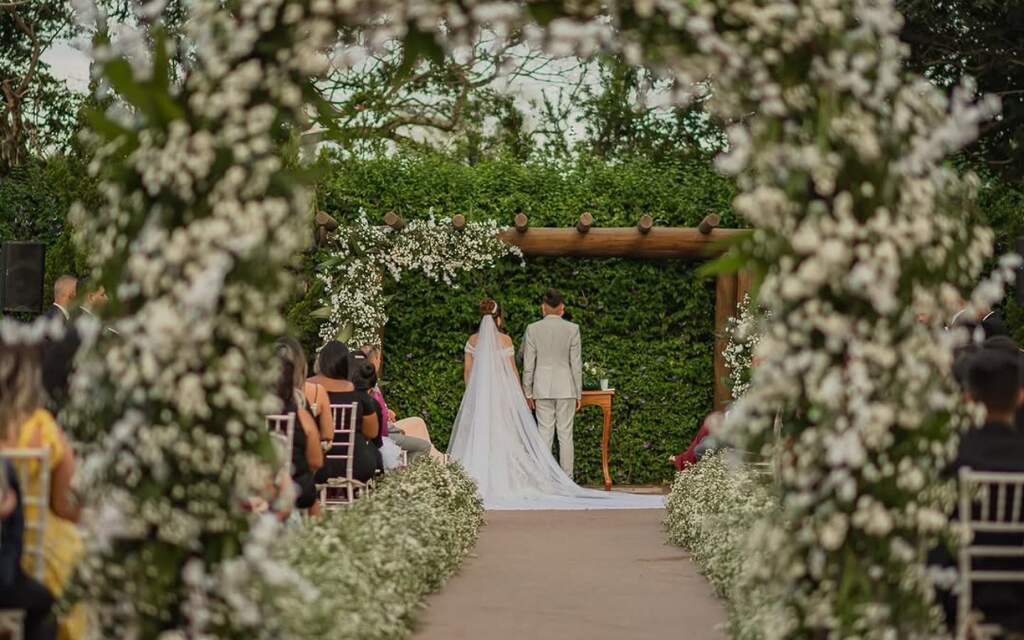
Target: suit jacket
(993, 447)
(58, 357)
(55, 312)
(552, 360)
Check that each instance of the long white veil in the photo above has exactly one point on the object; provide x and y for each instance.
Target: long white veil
(495, 437)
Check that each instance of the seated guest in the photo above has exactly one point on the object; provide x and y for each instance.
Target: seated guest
(18, 590)
(314, 396)
(408, 433)
(307, 456)
(364, 377)
(333, 366)
(701, 443)
(25, 424)
(1007, 344)
(993, 379)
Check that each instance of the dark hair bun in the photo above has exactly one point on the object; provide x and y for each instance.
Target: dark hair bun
(488, 307)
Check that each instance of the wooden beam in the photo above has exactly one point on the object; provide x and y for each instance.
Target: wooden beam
(459, 222)
(325, 224)
(645, 224)
(586, 221)
(324, 219)
(522, 222)
(621, 242)
(394, 221)
(726, 290)
(745, 282)
(709, 222)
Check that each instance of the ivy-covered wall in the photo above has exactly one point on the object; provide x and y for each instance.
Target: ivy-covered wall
(648, 323)
(34, 202)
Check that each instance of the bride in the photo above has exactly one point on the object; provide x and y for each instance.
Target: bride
(496, 439)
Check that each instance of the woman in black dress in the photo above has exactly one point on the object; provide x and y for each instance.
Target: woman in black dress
(307, 457)
(334, 366)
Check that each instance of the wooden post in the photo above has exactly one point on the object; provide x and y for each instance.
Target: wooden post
(726, 289)
(586, 221)
(744, 284)
(645, 224)
(394, 221)
(522, 222)
(459, 222)
(324, 225)
(709, 222)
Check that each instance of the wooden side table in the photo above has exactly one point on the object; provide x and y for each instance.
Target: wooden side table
(602, 399)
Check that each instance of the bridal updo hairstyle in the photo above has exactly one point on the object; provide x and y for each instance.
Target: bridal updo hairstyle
(490, 307)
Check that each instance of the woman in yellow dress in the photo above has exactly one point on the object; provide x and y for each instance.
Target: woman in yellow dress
(25, 424)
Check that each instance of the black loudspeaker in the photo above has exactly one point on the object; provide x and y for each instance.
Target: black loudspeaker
(21, 287)
(1020, 272)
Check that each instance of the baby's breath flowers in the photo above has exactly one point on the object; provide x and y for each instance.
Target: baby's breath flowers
(200, 218)
(864, 236)
(744, 332)
(361, 255)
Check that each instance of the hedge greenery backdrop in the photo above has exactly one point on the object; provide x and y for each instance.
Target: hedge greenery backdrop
(649, 323)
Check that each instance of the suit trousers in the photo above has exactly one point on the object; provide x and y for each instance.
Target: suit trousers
(558, 413)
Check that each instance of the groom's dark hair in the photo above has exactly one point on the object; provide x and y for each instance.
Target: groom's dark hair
(553, 298)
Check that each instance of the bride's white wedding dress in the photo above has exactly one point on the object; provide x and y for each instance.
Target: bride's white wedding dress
(497, 441)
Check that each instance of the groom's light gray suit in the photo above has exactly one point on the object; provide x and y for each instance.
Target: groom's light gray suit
(553, 378)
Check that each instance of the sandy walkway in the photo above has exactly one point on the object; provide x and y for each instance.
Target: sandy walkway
(563, 575)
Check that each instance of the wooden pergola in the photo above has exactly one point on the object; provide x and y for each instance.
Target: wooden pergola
(644, 241)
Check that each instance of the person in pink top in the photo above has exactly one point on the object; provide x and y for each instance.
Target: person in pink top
(410, 434)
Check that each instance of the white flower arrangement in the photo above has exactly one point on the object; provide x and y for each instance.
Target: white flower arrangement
(711, 511)
(744, 332)
(376, 560)
(361, 255)
(862, 231)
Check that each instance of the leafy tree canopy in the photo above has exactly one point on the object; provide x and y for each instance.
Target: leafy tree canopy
(984, 39)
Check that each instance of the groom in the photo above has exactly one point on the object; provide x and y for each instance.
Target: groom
(553, 375)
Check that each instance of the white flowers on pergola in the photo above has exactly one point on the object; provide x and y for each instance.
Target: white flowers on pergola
(859, 231)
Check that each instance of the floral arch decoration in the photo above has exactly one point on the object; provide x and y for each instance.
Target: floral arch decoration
(859, 229)
(361, 255)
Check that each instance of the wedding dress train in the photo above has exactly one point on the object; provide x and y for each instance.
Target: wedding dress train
(496, 439)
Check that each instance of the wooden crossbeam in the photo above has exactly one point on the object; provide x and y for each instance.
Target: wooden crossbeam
(621, 242)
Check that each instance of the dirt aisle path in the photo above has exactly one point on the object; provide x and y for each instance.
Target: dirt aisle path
(563, 575)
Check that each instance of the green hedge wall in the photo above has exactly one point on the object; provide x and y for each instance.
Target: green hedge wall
(34, 202)
(1003, 208)
(650, 323)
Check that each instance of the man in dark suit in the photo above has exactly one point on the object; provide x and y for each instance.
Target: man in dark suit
(59, 354)
(65, 290)
(993, 378)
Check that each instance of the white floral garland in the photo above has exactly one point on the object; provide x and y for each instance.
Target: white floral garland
(362, 254)
(744, 332)
(839, 157)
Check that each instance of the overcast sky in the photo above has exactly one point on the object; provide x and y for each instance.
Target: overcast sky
(69, 64)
